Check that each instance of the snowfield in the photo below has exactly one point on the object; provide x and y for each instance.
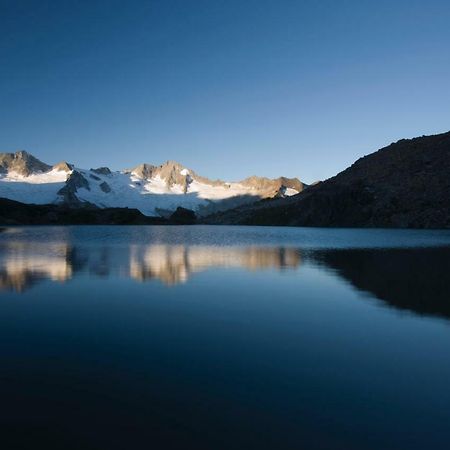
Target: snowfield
(152, 196)
(39, 188)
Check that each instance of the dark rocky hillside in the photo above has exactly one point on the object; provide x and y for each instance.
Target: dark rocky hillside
(16, 213)
(404, 185)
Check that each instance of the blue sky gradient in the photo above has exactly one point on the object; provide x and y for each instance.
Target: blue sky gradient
(228, 88)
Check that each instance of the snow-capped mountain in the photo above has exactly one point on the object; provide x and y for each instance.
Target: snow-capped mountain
(154, 190)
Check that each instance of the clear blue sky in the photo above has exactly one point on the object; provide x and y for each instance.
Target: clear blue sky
(228, 88)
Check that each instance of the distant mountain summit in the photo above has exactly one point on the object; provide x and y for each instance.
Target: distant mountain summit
(154, 190)
(21, 163)
(406, 185)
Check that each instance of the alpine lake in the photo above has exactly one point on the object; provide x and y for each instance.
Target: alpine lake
(217, 337)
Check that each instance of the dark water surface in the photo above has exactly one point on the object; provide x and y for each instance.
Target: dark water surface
(224, 338)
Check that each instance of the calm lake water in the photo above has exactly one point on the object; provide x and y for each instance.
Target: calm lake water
(224, 338)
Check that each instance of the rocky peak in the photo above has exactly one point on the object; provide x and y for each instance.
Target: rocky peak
(172, 164)
(171, 172)
(274, 187)
(21, 162)
(290, 183)
(144, 171)
(63, 166)
(174, 173)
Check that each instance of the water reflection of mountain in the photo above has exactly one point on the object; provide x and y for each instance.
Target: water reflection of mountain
(174, 264)
(23, 264)
(413, 279)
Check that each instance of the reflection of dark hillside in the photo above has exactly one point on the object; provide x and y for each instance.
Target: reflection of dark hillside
(413, 279)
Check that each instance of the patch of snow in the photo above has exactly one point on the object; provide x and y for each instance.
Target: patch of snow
(156, 185)
(290, 191)
(53, 176)
(210, 192)
(184, 172)
(39, 188)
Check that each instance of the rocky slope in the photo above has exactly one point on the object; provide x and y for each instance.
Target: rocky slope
(406, 184)
(153, 190)
(16, 213)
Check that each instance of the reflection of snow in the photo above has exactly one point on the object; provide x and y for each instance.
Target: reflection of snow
(53, 268)
(24, 263)
(173, 264)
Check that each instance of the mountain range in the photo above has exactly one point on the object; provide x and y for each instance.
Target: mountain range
(403, 185)
(153, 190)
